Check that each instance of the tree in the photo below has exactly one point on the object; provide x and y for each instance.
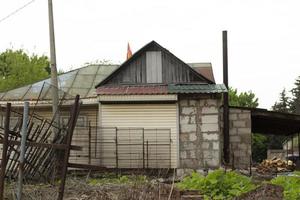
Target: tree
(295, 101)
(243, 99)
(17, 69)
(284, 103)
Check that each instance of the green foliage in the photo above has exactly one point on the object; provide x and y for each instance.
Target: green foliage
(218, 184)
(244, 99)
(291, 185)
(18, 69)
(295, 101)
(283, 105)
(118, 180)
(259, 147)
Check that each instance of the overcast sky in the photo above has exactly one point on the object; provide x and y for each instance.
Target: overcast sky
(263, 35)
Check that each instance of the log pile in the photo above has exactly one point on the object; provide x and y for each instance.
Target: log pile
(275, 165)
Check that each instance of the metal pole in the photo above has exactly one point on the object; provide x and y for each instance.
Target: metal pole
(298, 146)
(90, 148)
(292, 148)
(4, 150)
(225, 100)
(147, 145)
(143, 145)
(117, 150)
(54, 82)
(23, 149)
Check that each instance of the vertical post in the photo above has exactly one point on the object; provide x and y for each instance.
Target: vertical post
(147, 144)
(74, 115)
(54, 82)
(117, 151)
(90, 149)
(298, 146)
(225, 100)
(4, 150)
(293, 148)
(23, 149)
(143, 145)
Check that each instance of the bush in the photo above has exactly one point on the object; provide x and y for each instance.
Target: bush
(218, 184)
(291, 186)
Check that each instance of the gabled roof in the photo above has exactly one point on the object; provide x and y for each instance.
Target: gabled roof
(79, 81)
(148, 47)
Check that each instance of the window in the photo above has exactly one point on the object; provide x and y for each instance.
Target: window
(154, 66)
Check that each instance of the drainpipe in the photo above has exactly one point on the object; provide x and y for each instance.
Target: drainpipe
(225, 100)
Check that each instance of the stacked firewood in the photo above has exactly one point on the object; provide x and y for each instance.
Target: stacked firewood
(275, 165)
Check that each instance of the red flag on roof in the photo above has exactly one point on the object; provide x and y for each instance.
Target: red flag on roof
(129, 53)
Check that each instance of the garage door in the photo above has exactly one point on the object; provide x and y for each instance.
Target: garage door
(146, 135)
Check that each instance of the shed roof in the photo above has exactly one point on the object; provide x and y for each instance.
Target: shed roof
(80, 81)
(273, 122)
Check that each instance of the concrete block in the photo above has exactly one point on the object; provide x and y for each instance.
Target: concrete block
(209, 127)
(210, 110)
(188, 110)
(233, 131)
(184, 137)
(244, 116)
(188, 146)
(192, 102)
(233, 116)
(216, 145)
(244, 131)
(210, 136)
(184, 119)
(242, 146)
(183, 155)
(209, 119)
(187, 128)
(183, 102)
(205, 145)
(239, 123)
(192, 119)
(235, 139)
(207, 154)
(192, 137)
(212, 102)
(192, 154)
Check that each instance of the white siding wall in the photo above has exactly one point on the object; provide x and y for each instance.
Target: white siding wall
(150, 117)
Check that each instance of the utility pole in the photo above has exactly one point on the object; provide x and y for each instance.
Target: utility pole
(54, 82)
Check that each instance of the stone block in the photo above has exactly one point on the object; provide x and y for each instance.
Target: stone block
(192, 154)
(183, 155)
(216, 145)
(242, 146)
(210, 110)
(212, 102)
(244, 131)
(187, 128)
(244, 116)
(232, 116)
(184, 119)
(192, 119)
(239, 123)
(210, 136)
(188, 110)
(184, 137)
(183, 102)
(192, 102)
(192, 137)
(209, 119)
(205, 145)
(233, 131)
(209, 127)
(207, 154)
(235, 138)
(188, 146)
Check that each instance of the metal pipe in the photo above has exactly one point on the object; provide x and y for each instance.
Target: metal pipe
(225, 100)
(4, 150)
(23, 149)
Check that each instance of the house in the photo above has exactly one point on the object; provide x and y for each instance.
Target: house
(153, 111)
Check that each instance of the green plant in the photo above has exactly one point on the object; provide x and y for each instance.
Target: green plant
(290, 184)
(218, 184)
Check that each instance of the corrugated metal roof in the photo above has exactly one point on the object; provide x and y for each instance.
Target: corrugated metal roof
(132, 90)
(196, 88)
(80, 81)
(162, 89)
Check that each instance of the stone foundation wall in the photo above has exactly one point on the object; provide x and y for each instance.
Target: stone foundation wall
(199, 136)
